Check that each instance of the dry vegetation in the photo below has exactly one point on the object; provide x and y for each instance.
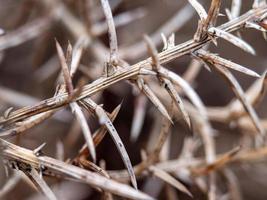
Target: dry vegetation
(153, 119)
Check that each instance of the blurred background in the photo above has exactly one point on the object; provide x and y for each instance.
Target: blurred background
(29, 69)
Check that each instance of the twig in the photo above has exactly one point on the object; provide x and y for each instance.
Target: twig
(24, 33)
(235, 8)
(24, 157)
(128, 72)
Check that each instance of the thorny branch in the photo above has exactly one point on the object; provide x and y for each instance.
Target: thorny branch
(195, 114)
(140, 68)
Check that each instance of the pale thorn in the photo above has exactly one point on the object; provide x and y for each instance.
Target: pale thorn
(200, 9)
(232, 39)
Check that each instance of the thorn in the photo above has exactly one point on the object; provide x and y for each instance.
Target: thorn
(165, 43)
(8, 112)
(37, 151)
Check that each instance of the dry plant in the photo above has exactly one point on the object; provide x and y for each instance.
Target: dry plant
(92, 65)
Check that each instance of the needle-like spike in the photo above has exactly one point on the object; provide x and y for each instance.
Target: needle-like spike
(139, 116)
(153, 98)
(215, 59)
(241, 96)
(232, 39)
(104, 119)
(200, 9)
(65, 63)
(40, 184)
(167, 84)
(76, 109)
(169, 179)
(113, 44)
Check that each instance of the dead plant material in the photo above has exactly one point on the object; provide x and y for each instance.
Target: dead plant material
(107, 67)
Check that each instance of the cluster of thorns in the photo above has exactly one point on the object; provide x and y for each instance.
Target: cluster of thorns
(141, 76)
